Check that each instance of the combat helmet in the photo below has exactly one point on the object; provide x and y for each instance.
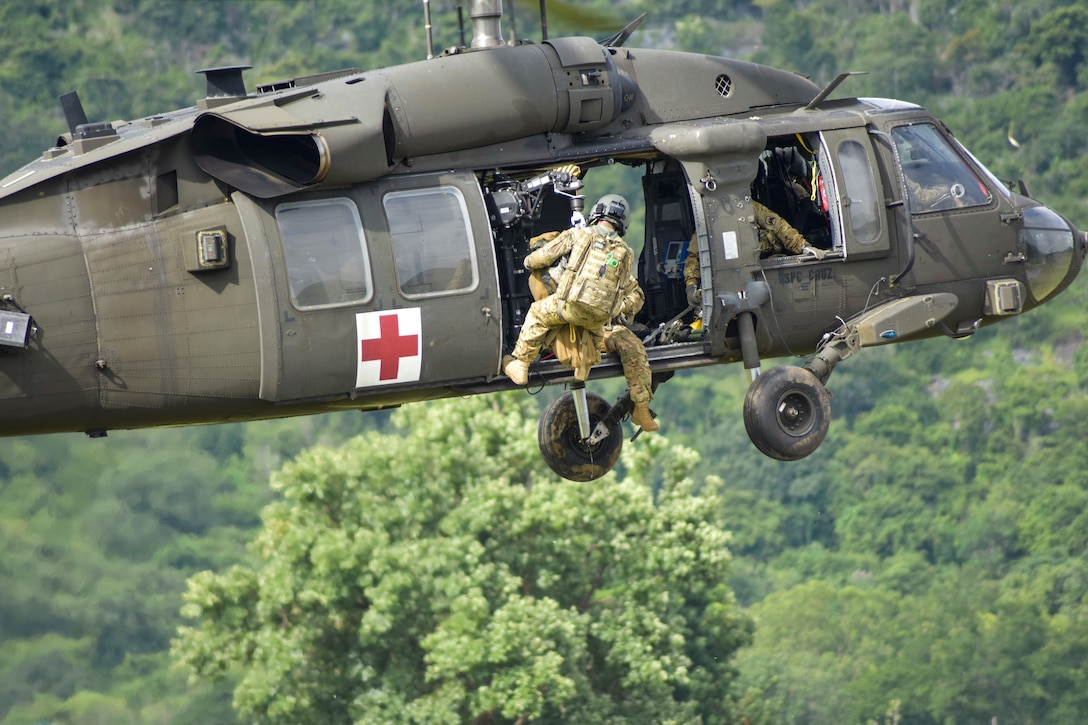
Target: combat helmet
(612, 207)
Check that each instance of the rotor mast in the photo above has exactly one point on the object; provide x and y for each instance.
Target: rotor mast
(486, 17)
(486, 23)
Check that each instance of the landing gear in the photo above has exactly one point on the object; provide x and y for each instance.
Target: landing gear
(566, 450)
(787, 412)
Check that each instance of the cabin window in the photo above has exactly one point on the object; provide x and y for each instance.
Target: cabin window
(432, 241)
(861, 203)
(937, 177)
(325, 253)
(790, 182)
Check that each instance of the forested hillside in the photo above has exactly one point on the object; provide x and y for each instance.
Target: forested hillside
(929, 564)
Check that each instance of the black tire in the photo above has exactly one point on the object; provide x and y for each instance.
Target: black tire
(563, 448)
(787, 412)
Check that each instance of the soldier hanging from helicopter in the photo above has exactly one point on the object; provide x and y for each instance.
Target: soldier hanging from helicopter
(590, 268)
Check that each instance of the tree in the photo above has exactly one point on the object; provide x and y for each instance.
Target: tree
(437, 577)
(1059, 37)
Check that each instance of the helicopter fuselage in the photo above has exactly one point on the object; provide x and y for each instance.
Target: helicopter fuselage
(354, 240)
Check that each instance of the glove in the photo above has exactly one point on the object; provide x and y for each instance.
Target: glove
(695, 295)
(817, 253)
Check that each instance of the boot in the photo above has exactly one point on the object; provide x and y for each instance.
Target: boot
(517, 370)
(642, 417)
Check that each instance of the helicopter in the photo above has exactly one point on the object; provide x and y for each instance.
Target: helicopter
(353, 240)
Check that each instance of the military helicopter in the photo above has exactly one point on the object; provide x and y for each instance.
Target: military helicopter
(353, 240)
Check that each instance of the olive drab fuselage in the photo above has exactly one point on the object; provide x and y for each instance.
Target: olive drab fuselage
(355, 240)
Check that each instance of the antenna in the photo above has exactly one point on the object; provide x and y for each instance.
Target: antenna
(73, 111)
(427, 24)
(831, 87)
(461, 23)
(621, 37)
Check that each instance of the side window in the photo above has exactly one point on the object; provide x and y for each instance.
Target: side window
(790, 182)
(432, 241)
(937, 177)
(863, 209)
(325, 253)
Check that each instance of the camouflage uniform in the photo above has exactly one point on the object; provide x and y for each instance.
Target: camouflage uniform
(590, 268)
(554, 311)
(776, 235)
(614, 337)
(930, 197)
(693, 280)
(636, 366)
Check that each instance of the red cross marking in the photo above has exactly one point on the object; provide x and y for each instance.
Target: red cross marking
(389, 347)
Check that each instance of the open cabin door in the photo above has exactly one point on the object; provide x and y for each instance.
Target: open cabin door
(669, 226)
(388, 286)
(860, 215)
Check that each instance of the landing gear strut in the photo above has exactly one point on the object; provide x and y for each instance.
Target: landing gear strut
(787, 411)
(575, 455)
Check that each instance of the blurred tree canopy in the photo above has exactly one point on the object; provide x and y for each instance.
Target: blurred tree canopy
(435, 577)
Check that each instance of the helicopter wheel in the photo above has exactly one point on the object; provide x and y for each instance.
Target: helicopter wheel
(564, 449)
(787, 412)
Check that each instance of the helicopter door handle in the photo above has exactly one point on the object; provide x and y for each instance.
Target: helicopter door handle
(1013, 257)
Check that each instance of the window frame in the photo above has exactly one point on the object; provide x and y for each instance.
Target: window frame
(291, 266)
(466, 225)
(951, 153)
(853, 178)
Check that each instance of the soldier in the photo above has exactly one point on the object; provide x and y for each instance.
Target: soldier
(616, 339)
(593, 285)
(776, 236)
(933, 195)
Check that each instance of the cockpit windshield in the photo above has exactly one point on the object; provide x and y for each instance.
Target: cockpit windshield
(937, 177)
(1000, 184)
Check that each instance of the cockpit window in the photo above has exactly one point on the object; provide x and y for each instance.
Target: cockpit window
(432, 241)
(937, 177)
(325, 253)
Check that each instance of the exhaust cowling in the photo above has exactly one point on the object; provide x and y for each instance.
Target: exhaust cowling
(356, 128)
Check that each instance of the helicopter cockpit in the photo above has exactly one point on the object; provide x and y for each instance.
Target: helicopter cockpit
(937, 178)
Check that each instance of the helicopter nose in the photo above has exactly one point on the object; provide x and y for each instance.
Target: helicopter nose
(1054, 249)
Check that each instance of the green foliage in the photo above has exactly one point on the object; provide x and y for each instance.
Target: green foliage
(435, 576)
(1059, 37)
(99, 537)
(953, 586)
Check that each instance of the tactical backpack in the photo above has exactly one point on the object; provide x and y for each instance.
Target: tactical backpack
(599, 266)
